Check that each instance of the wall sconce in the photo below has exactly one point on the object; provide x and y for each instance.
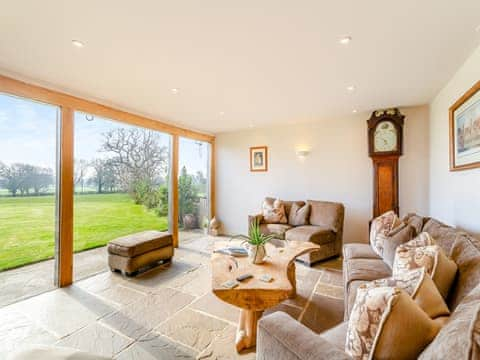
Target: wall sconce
(303, 153)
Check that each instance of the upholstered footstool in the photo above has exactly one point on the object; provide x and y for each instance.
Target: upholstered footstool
(131, 253)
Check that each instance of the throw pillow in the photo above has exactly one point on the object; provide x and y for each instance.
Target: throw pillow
(432, 258)
(386, 321)
(380, 228)
(274, 212)
(299, 214)
(393, 240)
(420, 286)
(422, 239)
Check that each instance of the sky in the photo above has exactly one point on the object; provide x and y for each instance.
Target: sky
(28, 135)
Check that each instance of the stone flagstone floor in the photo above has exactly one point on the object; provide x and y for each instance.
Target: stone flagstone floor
(166, 313)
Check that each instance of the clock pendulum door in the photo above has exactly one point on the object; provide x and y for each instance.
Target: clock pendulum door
(385, 142)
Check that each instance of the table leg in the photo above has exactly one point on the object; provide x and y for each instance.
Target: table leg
(247, 329)
(292, 279)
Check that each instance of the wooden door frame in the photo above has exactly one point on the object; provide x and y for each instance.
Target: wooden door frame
(68, 104)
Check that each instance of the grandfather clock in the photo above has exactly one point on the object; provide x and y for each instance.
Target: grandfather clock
(385, 146)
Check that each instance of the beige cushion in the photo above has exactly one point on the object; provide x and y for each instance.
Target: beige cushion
(336, 335)
(414, 220)
(274, 212)
(298, 215)
(386, 321)
(420, 286)
(316, 234)
(436, 263)
(328, 214)
(394, 239)
(275, 229)
(380, 228)
(139, 243)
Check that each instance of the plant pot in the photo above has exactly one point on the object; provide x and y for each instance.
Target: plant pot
(256, 253)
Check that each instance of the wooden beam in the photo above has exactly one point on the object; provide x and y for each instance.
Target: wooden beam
(66, 191)
(212, 179)
(20, 88)
(174, 189)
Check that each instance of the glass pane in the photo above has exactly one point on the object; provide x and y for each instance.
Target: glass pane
(193, 189)
(121, 186)
(28, 200)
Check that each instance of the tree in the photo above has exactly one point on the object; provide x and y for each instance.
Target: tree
(201, 182)
(187, 195)
(12, 177)
(41, 179)
(137, 157)
(104, 178)
(80, 173)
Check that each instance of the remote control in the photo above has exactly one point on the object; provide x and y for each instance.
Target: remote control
(230, 284)
(244, 277)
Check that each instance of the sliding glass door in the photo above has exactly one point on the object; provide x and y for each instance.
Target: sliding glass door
(28, 197)
(121, 177)
(193, 188)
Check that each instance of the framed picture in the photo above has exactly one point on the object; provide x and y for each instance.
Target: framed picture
(259, 158)
(465, 131)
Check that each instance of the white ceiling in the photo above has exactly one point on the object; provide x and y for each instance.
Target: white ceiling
(262, 62)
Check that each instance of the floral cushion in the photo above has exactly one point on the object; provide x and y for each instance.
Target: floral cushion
(420, 286)
(380, 228)
(432, 258)
(274, 212)
(386, 321)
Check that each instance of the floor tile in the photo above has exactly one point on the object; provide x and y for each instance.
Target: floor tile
(17, 330)
(196, 282)
(223, 347)
(139, 318)
(210, 304)
(96, 339)
(153, 347)
(63, 312)
(192, 328)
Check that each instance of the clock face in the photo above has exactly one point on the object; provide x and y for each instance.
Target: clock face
(385, 137)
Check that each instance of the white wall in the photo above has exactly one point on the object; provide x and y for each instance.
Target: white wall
(454, 196)
(337, 169)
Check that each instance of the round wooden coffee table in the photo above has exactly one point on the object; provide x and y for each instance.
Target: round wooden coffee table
(253, 296)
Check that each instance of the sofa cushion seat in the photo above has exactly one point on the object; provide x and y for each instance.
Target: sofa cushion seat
(366, 270)
(359, 251)
(316, 234)
(337, 335)
(275, 229)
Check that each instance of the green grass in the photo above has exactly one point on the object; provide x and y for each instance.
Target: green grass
(27, 225)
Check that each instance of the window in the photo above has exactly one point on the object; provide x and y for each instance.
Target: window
(28, 196)
(193, 188)
(121, 178)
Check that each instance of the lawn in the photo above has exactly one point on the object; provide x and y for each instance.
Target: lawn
(27, 225)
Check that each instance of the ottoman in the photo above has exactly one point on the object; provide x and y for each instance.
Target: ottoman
(130, 253)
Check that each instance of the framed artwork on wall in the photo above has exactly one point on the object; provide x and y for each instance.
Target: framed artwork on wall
(259, 158)
(465, 131)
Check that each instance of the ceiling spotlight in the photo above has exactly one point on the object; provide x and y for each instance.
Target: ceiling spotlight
(78, 43)
(174, 91)
(345, 40)
(354, 111)
(351, 88)
(221, 113)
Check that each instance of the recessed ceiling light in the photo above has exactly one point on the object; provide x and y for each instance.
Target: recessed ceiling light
(354, 111)
(345, 40)
(174, 91)
(221, 113)
(78, 43)
(351, 88)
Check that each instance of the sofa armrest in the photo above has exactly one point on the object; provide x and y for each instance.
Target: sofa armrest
(280, 337)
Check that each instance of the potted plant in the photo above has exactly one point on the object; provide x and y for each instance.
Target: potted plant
(255, 243)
